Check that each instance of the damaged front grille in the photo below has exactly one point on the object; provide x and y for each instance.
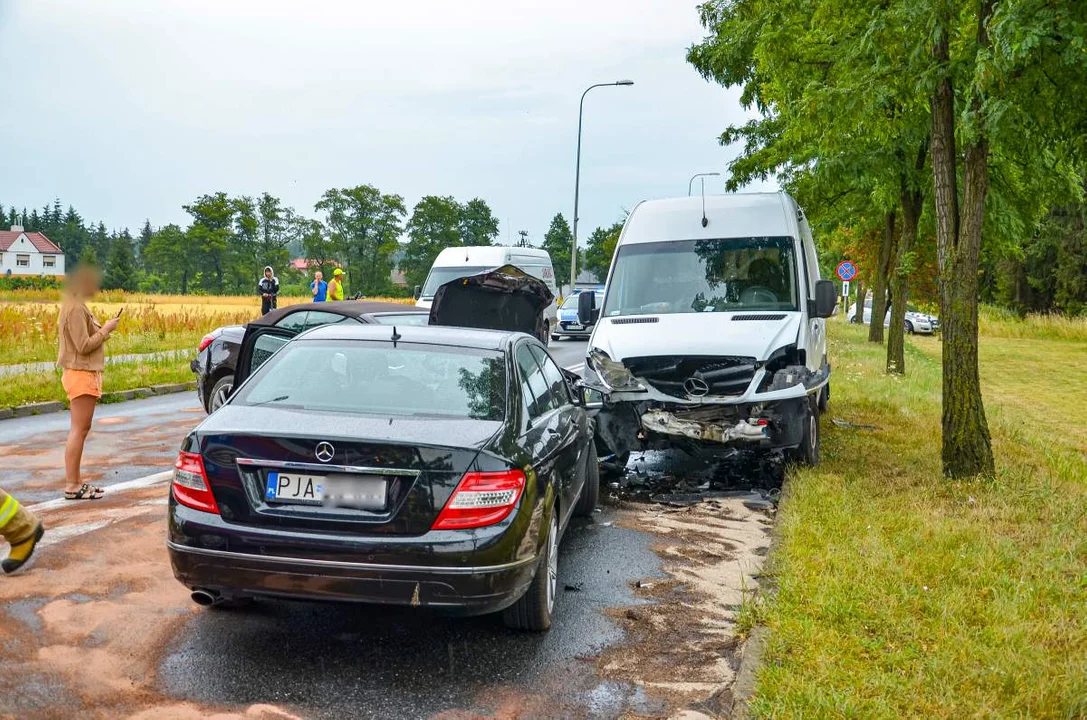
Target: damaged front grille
(691, 377)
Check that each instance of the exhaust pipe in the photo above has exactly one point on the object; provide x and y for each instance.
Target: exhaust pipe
(206, 598)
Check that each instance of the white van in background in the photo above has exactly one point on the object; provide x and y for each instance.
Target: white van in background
(458, 262)
(712, 330)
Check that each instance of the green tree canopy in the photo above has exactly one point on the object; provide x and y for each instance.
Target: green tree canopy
(557, 242)
(363, 225)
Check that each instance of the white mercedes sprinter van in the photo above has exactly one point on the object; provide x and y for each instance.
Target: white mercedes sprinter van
(458, 262)
(712, 329)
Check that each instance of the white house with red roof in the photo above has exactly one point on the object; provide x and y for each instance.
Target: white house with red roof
(29, 253)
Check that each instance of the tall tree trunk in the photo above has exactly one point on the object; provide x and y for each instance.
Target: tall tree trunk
(899, 280)
(879, 291)
(858, 314)
(967, 449)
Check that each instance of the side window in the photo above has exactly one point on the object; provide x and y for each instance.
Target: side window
(533, 383)
(317, 317)
(295, 322)
(264, 346)
(556, 383)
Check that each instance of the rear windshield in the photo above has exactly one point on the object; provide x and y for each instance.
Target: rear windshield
(441, 275)
(689, 276)
(412, 318)
(377, 379)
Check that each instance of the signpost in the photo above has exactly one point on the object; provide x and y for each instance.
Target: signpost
(845, 288)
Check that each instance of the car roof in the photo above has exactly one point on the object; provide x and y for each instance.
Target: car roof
(731, 215)
(347, 308)
(429, 334)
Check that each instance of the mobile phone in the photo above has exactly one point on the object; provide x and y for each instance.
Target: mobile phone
(120, 311)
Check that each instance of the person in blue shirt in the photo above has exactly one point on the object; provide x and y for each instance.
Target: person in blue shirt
(319, 287)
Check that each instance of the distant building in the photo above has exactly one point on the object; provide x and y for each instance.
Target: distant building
(29, 253)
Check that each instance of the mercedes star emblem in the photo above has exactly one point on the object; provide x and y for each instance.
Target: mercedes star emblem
(325, 452)
(696, 386)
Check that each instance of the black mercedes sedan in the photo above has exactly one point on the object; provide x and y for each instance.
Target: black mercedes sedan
(433, 467)
(217, 354)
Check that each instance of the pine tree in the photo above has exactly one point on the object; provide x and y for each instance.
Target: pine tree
(88, 256)
(121, 263)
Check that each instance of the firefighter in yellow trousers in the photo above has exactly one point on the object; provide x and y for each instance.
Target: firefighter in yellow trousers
(22, 531)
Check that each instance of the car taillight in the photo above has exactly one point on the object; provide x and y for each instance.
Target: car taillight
(190, 483)
(205, 341)
(481, 499)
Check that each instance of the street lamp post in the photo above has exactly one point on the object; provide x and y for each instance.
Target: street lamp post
(690, 185)
(577, 171)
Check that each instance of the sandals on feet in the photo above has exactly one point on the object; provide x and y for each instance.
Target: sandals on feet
(86, 492)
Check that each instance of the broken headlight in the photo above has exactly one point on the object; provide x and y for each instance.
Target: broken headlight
(612, 373)
(783, 368)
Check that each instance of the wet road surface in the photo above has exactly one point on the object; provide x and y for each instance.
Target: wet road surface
(332, 661)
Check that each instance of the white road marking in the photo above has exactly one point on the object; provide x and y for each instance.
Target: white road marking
(136, 484)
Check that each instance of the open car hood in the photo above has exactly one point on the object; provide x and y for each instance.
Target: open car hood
(504, 299)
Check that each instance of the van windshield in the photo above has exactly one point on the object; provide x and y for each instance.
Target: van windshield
(688, 276)
(441, 275)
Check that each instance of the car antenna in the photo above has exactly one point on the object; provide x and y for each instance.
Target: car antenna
(705, 220)
(396, 336)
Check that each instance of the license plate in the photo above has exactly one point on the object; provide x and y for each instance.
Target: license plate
(573, 326)
(365, 493)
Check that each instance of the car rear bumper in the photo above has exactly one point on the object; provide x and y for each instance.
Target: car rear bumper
(461, 589)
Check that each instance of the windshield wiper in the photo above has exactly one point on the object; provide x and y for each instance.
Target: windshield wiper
(281, 398)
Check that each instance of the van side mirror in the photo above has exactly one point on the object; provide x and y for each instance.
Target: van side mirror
(586, 308)
(826, 298)
(417, 293)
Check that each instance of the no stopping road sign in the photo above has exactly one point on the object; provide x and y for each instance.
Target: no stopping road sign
(846, 271)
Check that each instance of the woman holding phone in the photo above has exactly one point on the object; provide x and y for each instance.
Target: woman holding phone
(82, 357)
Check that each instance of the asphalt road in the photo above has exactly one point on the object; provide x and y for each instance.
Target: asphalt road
(313, 659)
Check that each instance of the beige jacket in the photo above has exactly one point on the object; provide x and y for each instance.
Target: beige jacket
(81, 338)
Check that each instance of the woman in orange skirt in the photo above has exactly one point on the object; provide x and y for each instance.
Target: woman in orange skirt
(82, 357)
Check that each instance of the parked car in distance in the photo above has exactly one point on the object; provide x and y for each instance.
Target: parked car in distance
(459, 262)
(217, 354)
(569, 326)
(433, 467)
(916, 321)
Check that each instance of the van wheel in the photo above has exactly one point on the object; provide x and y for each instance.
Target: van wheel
(532, 611)
(807, 454)
(909, 328)
(555, 337)
(590, 491)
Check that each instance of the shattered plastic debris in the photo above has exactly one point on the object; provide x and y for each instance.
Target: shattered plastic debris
(852, 425)
(644, 585)
(678, 480)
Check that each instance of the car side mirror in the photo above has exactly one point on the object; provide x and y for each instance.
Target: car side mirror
(587, 312)
(826, 298)
(589, 398)
(418, 292)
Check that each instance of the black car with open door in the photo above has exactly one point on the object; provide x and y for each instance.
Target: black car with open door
(217, 354)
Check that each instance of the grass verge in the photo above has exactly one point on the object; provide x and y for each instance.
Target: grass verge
(900, 593)
(45, 386)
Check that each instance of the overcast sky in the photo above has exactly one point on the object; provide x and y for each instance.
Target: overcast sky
(129, 108)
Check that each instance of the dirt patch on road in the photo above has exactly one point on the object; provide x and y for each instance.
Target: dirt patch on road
(685, 645)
